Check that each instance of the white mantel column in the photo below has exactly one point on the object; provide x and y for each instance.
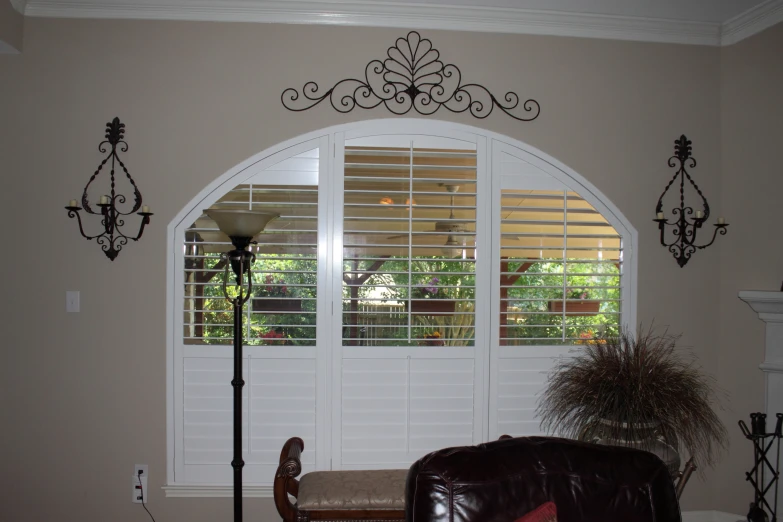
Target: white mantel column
(769, 306)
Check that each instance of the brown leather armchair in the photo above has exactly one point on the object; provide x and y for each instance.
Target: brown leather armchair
(502, 480)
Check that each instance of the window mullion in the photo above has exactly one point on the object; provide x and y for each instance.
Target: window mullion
(410, 237)
(565, 262)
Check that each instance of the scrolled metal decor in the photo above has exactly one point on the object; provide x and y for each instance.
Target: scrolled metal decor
(111, 238)
(411, 77)
(685, 227)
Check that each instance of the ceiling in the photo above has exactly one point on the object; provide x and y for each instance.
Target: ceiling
(700, 22)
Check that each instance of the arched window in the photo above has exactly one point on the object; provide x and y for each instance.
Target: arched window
(412, 294)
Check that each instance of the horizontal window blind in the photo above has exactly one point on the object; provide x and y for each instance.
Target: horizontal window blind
(560, 268)
(282, 310)
(409, 245)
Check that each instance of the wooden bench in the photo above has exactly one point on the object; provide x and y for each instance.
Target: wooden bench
(368, 495)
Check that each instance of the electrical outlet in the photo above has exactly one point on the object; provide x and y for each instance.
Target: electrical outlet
(139, 489)
(139, 483)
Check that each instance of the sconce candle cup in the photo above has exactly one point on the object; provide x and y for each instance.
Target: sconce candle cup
(112, 238)
(686, 221)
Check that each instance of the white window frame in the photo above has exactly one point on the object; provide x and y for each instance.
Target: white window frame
(330, 270)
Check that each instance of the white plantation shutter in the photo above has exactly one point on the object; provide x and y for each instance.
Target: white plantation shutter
(282, 310)
(280, 353)
(395, 410)
(408, 373)
(521, 377)
(409, 242)
(413, 295)
(278, 402)
(559, 263)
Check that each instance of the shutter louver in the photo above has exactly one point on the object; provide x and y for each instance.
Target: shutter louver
(409, 245)
(397, 410)
(278, 402)
(282, 310)
(279, 397)
(521, 378)
(560, 266)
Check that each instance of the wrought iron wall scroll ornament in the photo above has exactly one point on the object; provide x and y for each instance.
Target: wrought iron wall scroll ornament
(684, 229)
(412, 77)
(111, 239)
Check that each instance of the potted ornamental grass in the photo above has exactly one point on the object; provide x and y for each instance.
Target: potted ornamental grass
(637, 390)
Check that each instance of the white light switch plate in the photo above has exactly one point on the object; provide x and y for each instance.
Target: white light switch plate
(72, 301)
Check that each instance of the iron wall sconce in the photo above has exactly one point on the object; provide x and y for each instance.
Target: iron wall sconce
(111, 239)
(685, 223)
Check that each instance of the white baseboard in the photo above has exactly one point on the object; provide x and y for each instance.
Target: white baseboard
(711, 516)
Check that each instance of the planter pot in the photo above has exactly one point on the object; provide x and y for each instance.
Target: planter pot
(432, 306)
(261, 304)
(587, 307)
(648, 437)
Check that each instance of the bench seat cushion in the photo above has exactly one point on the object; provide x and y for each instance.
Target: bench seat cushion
(360, 489)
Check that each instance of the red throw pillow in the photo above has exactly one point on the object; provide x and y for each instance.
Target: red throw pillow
(544, 513)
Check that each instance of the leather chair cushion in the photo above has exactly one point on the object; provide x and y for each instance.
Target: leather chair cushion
(502, 480)
(360, 489)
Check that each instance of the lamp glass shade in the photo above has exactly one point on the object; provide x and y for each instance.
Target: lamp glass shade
(240, 223)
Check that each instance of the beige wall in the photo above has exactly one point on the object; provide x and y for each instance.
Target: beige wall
(84, 394)
(11, 26)
(752, 253)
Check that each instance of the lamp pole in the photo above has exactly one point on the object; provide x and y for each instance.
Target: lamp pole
(240, 260)
(241, 226)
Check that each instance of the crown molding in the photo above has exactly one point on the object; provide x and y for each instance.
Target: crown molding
(19, 5)
(751, 22)
(422, 16)
(407, 16)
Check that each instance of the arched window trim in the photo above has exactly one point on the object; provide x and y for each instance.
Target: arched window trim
(327, 139)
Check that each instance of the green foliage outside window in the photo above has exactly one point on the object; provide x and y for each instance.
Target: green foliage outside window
(528, 299)
(528, 319)
(288, 280)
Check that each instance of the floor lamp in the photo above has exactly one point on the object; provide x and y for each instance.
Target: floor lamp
(241, 226)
